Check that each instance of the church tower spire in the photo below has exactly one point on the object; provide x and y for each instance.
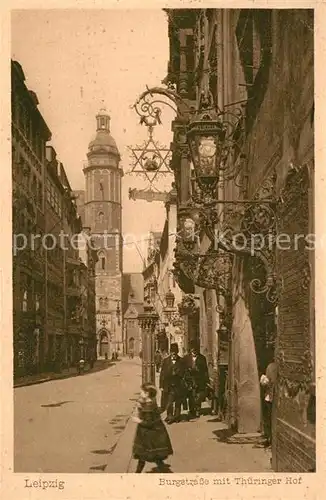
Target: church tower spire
(103, 121)
(103, 214)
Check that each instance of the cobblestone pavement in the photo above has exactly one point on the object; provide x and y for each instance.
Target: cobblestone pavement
(81, 424)
(202, 445)
(73, 425)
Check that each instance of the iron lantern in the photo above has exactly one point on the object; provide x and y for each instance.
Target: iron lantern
(169, 310)
(206, 136)
(188, 229)
(169, 298)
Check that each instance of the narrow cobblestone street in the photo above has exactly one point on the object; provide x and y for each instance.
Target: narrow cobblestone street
(72, 425)
(82, 425)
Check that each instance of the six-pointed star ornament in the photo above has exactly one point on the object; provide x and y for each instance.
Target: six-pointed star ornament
(151, 159)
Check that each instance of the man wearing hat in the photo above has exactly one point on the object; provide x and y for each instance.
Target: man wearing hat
(197, 372)
(171, 383)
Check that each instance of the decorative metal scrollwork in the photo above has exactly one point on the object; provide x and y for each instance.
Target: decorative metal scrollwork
(255, 236)
(259, 219)
(189, 305)
(148, 105)
(272, 287)
(150, 159)
(208, 270)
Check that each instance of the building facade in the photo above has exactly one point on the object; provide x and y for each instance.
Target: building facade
(100, 206)
(132, 305)
(70, 322)
(254, 303)
(167, 287)
(29, 136)
(47, 332)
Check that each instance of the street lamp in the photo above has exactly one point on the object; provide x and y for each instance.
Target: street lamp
(147, 321)
(206, 135)
(81, 344)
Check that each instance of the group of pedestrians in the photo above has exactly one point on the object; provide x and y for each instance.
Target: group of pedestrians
(183, 382)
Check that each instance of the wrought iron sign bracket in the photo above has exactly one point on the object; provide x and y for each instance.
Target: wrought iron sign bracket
(252, 234)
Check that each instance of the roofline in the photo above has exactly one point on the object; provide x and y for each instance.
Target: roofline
(18, 69)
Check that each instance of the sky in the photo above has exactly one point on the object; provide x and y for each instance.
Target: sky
(76, 61)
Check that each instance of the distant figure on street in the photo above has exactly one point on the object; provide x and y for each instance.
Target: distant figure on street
(172, 385)
(81, 366)
(152, 442)
(91, 362)
(141, 354)
(268, 381)
(158, 361)
(196, 380)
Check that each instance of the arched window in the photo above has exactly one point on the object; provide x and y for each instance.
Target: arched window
(100, 217)
(25, 298)
(101, 261)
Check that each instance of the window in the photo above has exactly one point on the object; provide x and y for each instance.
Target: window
(101, 217)
(254, 39)
(34, 186)
(101, 264)
(25, 301)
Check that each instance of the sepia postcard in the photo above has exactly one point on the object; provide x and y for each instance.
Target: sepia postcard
(162, 281)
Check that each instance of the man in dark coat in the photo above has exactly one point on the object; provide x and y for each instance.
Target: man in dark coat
(171, 383)
(198, 379)
(268, 382)
(158, 361)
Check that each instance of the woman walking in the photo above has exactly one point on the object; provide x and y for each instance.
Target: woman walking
(152, 442)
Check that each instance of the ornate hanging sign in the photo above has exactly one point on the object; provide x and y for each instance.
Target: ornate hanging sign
(150, 159)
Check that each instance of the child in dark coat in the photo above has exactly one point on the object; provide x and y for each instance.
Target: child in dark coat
(152, 442)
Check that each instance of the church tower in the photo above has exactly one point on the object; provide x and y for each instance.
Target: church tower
(102, 215)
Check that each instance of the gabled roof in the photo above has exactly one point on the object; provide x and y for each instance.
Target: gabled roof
(133, 310)
(132, 283)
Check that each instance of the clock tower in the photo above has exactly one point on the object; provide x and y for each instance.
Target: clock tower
(102, 215)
